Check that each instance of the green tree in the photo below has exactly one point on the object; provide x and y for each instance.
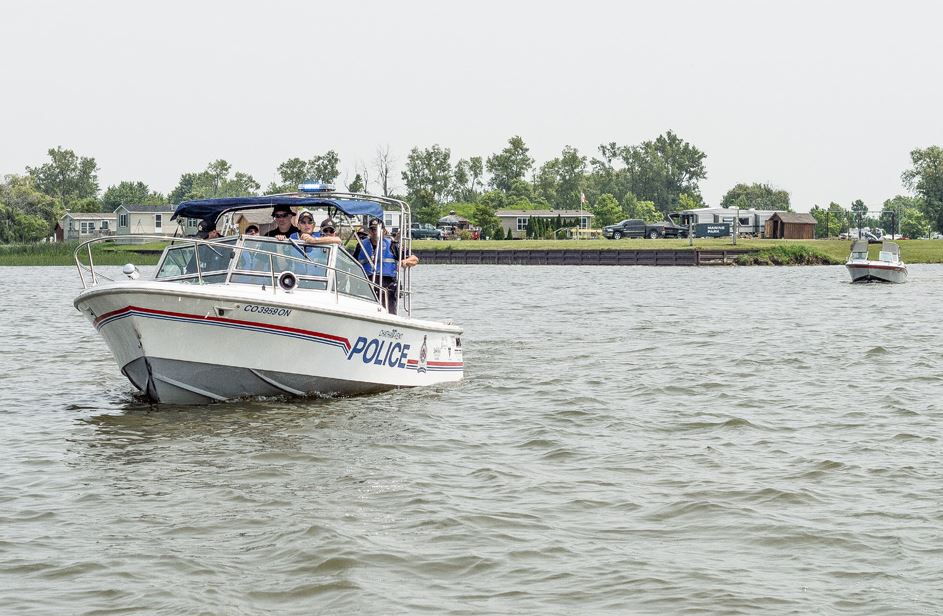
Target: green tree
(818, 213)
(662, 169)
(324, 167)
(689, 202)
(425, 207)
(839, 219)
(484, 218)
(629, 205)
(648, 211)
(756, 196)
(476, 171)
(495, 199)
(510, 234)
(571, 171)
(606, 211)
(547, 181)
(356, 185)
(511, 163)
(184, 188)
(894, 209)
(914, 224)
(218, 171)
(213, 183)
(26, 214)
(604, 176)
(926, 179)
(461, 191)
(428, 170)
(88, 204)
(859, 213)
(129, 192)
(295, 171)
(66, 177)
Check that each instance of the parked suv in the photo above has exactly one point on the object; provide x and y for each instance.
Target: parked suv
(424, 231)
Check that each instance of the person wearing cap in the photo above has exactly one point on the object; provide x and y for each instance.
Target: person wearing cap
(252, 230)
(308, 235)
(282, 215)
(389, 266)
(311, 239)
(206, 230)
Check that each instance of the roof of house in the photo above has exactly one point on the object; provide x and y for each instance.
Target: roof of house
(91, 215)
(543, 213)
(452, 219)
(139, 208)
(795, 217)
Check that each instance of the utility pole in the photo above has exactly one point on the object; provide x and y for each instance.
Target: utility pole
(736, 227)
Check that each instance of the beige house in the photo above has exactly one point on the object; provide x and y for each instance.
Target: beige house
(82, 226)
(147, 220)
(516, 220)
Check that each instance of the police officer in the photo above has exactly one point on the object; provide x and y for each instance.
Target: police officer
(364, 253)
(282, 217)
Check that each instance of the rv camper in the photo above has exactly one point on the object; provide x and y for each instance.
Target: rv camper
(750, 223)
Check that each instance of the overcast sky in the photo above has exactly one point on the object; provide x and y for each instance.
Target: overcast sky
(823, 99)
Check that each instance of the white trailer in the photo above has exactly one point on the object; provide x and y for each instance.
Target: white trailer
(748, 222)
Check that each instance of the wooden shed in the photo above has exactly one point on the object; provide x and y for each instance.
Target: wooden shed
(790, 226)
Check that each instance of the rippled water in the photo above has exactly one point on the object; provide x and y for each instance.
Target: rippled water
(627, 440)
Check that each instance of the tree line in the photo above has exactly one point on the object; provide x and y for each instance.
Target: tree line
(646, 180)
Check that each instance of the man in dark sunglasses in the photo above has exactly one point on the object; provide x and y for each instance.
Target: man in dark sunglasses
(281, 216)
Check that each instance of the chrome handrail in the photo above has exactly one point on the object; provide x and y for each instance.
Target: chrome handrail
(231, 268)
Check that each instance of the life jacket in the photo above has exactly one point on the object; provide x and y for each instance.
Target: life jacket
(387, 258)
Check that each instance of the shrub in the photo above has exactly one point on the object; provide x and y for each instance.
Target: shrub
(787, 255)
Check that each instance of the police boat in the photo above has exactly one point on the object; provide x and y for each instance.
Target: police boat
(247, 315)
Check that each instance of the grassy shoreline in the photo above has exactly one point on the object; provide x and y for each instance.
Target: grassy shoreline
(797, 252)
(831, 250)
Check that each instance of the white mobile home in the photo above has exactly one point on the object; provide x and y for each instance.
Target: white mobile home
(83, 226)
(134, 219)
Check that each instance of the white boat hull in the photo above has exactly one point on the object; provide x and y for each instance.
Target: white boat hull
(864, 271)
(199, 344)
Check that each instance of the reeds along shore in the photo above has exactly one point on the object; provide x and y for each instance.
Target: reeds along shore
(768, 252)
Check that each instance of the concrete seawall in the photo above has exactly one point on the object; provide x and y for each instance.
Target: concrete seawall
(579, 257)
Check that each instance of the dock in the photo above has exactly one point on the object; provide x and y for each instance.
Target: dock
(580, 257)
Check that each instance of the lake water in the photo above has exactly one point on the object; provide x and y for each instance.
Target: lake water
(627, 440)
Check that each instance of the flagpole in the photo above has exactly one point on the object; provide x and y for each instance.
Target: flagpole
(579, 224)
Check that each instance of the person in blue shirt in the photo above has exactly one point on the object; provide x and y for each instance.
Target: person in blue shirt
(389, 266)
(310, 238)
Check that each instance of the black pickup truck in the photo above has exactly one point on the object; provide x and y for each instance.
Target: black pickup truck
(636, 227)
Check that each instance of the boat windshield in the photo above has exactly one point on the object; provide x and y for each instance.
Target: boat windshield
(259, 260)
(185, 262)
(309, 263)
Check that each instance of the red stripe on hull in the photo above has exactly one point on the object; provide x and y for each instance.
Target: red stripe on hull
(283, 328)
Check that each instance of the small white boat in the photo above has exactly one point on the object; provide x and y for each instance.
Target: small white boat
(887, 268)
(249, 316)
